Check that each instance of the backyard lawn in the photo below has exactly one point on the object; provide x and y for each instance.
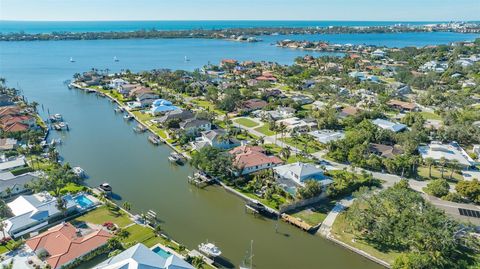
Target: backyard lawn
(265, 129)
(430, 116)
(423, 173)
(246, 122)
(311, 145)
(315, 214)
(103, 214)
(7, 247)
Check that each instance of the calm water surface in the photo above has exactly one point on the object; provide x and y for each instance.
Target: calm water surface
(96, 26)
(106, 147)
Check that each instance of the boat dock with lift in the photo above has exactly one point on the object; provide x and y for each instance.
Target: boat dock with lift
(200, 179)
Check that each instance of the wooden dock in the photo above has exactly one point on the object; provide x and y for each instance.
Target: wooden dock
(297, 222)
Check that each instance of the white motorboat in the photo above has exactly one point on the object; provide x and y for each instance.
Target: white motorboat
(72, 60)
(78, 171)
(209, 249)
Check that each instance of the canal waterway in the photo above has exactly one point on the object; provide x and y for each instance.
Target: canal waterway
(104, 144)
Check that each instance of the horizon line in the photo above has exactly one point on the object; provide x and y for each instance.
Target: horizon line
(259, 20)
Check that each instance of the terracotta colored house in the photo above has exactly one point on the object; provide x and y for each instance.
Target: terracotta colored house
(251, 159)
(64, 243)
(253, 104)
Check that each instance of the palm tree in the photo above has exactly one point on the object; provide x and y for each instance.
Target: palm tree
(429, 162)
(8, 191)
(3, 225)
(62, 205)
(454, 166)
(285, 153)
(158, 230)
(443, 162)
(198, 262)
(127, 206)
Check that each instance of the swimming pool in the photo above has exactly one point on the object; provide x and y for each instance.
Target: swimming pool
(83, 201)
(161, 252)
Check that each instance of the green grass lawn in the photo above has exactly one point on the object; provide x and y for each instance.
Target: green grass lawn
(298, 158)
(246, 122)
(270, 203)
(102, 215)
(340, 231)
(265, 129)
(316, 214)
(430, 116)
(7, 247)
(312, 145)
(73, 188)
(423, 173)
(208, 106)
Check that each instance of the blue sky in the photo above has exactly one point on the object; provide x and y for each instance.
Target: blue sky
(369, 10)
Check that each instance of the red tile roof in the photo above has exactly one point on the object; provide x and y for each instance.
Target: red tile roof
(64, 245)
(249, 156)
(16, 127)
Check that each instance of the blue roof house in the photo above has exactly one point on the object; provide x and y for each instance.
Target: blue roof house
(162, 106)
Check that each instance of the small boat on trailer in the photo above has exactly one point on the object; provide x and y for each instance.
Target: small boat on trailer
(210, 249)
(176, 158)
(154, 139)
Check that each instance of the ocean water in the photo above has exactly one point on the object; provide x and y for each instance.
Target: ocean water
(100, 26)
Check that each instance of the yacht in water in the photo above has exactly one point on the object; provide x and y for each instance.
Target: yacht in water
(72, 60)
(115, 59)
(186, 59)
(209, 249)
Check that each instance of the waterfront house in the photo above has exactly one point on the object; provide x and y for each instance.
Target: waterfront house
(451, 151)
(10, 163)
(65, 243)
(174, 115)
(388, 125)
(8, 120)
(141, 257)
(300, 172)
(295, 124)
(117, 82)
(6, 100)
(32, 212)
(11, 185)
(126, 88)
(217, 138)
(326, 136)
(249, 159)
(193, 126)
(8, 144)
(16, 127)
(162, 106)
(385, 151)
(146, 98)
